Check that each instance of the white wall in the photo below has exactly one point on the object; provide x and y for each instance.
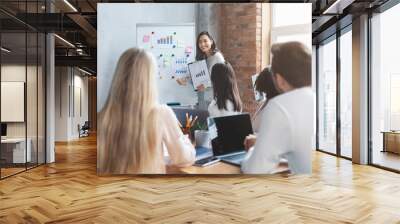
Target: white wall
(14, 72)
(208, 17)
(61, 102)
(80, 83)
(116, 32)
(68, 82)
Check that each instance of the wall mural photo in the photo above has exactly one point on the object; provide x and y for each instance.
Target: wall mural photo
(214, 89)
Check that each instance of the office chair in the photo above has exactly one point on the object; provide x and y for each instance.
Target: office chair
(84, 130)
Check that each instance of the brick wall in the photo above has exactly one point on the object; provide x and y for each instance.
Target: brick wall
(240, 43)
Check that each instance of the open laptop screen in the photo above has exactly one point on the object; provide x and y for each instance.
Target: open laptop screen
(232, 130)
(3, 129)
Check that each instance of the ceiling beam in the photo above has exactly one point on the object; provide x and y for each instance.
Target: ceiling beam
(83, 61)
(86, 26)
(337, 6)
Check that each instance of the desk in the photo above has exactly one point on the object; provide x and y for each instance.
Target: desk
(391, 141)
(13, 150)
(217, 168)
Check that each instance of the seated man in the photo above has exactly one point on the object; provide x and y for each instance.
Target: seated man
(287, 123)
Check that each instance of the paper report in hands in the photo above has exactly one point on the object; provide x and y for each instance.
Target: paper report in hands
(199, 73)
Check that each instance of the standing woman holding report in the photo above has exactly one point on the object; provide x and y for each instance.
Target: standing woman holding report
(206, 49)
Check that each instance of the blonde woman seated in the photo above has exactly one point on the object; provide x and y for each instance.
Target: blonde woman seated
(134, 128)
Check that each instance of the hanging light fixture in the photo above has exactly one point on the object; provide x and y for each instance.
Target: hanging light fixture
(5, 50)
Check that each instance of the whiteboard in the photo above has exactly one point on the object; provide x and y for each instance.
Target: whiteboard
(173, 46)
(12, 101)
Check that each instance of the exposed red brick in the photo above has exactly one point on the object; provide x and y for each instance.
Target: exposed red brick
(240, 40)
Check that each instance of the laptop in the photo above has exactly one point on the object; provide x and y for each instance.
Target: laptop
(231, 132)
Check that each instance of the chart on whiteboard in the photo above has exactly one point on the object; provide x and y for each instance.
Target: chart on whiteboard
(173, 46)
(171, 51)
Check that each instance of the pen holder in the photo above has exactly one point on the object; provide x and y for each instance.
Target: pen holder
(189, 132)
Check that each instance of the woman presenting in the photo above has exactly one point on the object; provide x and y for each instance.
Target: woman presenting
(205, 50)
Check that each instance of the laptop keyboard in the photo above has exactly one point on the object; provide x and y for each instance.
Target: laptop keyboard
(236, 159)
(202, 152)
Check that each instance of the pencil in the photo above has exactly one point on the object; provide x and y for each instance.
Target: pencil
(194, 121)
(179, 123)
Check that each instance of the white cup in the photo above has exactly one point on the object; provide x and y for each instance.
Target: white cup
(202, 138)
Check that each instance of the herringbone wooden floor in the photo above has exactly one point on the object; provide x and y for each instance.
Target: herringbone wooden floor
(70, 192)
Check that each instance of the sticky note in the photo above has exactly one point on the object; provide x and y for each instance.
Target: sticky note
(188, 50)
(146, 38)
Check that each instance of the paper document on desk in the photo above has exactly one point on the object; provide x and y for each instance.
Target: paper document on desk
(199, 73)
(212, 128)
(212, 131)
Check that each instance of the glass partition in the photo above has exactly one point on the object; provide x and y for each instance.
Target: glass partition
(32, 95)
(22, 88)
(14, 153)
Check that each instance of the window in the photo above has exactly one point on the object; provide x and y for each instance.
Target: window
(395, 101)
(385, 88)
(346, 94)
(304, 38)
(291, 14)
(327, 96)
(296, 27)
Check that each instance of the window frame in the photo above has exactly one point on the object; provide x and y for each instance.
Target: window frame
(334, 37)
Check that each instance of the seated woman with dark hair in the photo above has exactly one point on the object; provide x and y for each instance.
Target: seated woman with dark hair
(226, 99)
(264, 85)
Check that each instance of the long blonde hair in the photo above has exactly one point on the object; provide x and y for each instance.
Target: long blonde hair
(127, 128)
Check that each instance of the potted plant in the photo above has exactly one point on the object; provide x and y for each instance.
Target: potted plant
(201, 135)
